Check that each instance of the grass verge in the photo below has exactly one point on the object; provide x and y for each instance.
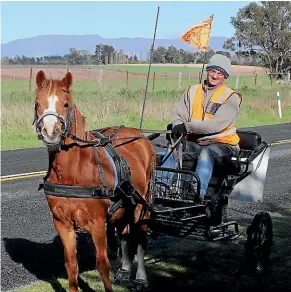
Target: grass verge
(113, 105)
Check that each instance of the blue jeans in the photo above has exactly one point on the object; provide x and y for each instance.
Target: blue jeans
(207, 156)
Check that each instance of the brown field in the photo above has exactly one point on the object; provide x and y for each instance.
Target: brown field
(235, 68)
(94, 74)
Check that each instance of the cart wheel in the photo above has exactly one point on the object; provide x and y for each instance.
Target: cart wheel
(259, 242)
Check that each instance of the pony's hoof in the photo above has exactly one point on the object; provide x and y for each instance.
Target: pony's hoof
(140, 285)
(122, 277)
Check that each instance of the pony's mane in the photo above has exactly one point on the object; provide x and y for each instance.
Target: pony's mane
(79, 123)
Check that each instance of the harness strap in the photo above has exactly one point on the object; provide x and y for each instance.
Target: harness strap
(76, 191)
(101, 171)
(122, 168)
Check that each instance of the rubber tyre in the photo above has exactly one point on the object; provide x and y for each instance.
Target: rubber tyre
(259, 242)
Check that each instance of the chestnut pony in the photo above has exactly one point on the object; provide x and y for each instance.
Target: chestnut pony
(79, 163)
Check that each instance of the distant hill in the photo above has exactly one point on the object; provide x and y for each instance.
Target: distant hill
(49, 45)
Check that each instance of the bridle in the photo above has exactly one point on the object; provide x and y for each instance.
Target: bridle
(65, 121)
(65, 130)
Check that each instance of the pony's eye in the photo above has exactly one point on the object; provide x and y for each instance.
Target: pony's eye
(66, 104)
(66, 91)
(36, 105)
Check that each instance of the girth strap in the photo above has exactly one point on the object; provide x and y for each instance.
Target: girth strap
(77, 191)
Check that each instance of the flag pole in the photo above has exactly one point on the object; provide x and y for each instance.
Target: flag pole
(151, 58)
(204, 60)
(205, 53)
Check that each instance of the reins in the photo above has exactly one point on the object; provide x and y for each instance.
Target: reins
(101, 141)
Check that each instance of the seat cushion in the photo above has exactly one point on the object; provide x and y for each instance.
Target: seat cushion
(249, 140)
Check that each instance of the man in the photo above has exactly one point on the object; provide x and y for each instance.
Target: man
(206, 115)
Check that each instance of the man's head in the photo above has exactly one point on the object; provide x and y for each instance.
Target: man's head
(218, 69)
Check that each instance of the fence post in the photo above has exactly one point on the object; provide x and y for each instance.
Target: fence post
(127, 78)
(14, 76)
(30, 77)
(288, 77)
(237, 82)
(271, 79)
(67, 70)
(279, 104)
(256, 79)
(189, 75)
(154, 80)
(180, 79)
(100, 77)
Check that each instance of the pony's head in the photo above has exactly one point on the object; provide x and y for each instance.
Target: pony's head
(53, 108)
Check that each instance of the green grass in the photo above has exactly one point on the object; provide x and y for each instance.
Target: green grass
(113, 103)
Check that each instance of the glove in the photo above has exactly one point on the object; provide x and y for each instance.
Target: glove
(179, 130)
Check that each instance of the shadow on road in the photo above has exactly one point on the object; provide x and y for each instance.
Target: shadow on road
(46, 260)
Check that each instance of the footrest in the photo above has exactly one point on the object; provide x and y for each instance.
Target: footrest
(220, 232)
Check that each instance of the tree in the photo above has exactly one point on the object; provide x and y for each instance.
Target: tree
(172, 55)
(228, 44)
(159, 55)
(103, 53)
(266, 28)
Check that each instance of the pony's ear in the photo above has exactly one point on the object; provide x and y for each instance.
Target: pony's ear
(40, 79)
(68, 81)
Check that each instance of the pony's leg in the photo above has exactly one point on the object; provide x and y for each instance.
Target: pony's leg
(140, 235)
(68, 237)
(141, 277)
(102, 263)
(112, 242)
(123, 275)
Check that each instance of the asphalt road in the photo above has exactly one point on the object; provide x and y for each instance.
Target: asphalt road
(35, 159)
(29, 245)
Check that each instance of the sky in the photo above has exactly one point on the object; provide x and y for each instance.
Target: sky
(110, 19)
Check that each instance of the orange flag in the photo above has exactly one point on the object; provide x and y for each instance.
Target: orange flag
(198, 35)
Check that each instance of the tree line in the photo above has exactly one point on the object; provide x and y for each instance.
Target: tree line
(180, 56)
(104, 55)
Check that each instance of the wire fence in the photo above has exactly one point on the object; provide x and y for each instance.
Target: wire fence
(133, 80)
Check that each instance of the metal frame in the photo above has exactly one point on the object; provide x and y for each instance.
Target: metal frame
(184, 217)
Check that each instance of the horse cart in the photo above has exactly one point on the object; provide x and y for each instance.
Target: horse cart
(116, 174)
(175, 212)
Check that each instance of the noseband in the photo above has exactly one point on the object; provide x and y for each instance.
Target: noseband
(65, 121)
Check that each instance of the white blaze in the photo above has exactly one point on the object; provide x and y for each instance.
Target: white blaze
(50, 120)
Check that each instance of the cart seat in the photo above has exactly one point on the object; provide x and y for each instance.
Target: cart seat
(249, 141)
